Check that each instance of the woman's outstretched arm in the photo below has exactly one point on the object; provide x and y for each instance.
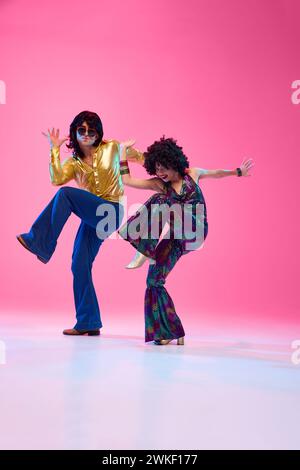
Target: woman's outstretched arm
(220, 173)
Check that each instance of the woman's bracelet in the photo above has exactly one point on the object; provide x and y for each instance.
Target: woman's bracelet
(124, 169)
(239, 172)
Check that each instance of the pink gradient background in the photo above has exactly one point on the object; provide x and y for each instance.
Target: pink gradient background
(214, 74)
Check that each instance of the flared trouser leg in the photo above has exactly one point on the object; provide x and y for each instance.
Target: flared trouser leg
(43, 236)
(86, 247)
(161, 319)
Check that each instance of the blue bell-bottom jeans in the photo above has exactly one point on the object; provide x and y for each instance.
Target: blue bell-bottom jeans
(99, 219)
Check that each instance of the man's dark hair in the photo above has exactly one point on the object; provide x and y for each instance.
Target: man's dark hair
(168, 154)
(93, 121)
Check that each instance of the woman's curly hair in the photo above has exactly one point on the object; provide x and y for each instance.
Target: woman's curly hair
(166, 152)
(94, 121)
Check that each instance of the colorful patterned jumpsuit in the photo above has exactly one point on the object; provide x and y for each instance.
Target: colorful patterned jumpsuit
(161, 319)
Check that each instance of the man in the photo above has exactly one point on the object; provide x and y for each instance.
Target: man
(95, 167)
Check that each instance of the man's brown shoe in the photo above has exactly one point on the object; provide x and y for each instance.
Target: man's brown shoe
(20, 239)
(73, 332)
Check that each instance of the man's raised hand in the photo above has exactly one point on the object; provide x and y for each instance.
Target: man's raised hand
(53, 137)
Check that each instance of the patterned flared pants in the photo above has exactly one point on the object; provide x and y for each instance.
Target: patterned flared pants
(161, 319)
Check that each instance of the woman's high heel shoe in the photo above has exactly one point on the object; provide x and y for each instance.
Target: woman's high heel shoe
(138, 260)
(180, 341)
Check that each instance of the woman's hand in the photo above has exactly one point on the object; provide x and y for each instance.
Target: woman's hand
(245, 166)
(54, 139)
(123, 147)
(127, 143)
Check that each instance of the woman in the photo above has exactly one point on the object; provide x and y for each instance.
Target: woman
(94, 166)
(166, 160)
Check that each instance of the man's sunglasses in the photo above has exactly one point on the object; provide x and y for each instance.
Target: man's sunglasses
(82, 131)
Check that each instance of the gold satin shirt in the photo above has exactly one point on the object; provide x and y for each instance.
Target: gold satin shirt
(103, 178)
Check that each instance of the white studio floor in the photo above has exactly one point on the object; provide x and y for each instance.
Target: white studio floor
(116, 392)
